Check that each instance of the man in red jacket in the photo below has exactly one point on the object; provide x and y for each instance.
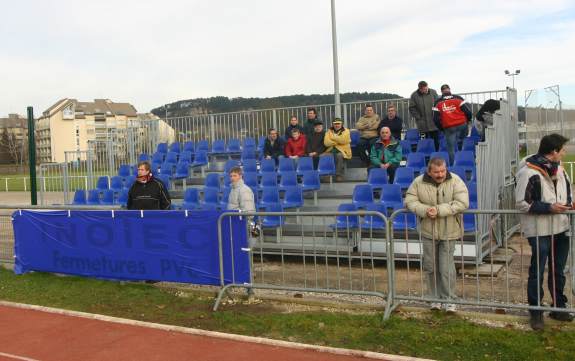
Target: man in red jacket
(451, 114)
(295, 146)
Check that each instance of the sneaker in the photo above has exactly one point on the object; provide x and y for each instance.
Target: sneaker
(561, 316)
(435, 306)
(450, 308)
(536, 321)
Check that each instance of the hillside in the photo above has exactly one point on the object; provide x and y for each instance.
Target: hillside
(222, 104)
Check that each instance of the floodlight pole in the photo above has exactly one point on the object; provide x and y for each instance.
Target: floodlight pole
(335, 62)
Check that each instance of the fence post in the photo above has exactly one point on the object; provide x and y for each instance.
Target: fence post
(32, 156)
(6, 181)
(24, 179)
(65, 184)
(274, 119)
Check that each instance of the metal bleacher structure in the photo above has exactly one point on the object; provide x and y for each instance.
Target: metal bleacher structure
(194, 165)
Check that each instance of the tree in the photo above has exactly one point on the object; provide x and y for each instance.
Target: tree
(15, 146)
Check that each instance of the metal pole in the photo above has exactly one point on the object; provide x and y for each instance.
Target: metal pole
(335, 62)
(32, 157)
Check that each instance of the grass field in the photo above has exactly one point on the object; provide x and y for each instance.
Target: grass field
(424, 334)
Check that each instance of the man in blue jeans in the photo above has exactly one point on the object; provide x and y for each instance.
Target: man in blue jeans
(544, 192)
(451, 114)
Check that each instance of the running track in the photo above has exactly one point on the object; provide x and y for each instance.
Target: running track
(32, 333)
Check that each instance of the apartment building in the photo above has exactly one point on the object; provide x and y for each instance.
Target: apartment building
(13, 139)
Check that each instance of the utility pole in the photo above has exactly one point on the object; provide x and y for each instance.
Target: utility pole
(335, 62)
(32, 157)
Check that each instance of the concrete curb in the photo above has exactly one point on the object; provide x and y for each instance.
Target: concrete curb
(198, 332)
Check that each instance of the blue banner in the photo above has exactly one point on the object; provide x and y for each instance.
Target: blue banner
(132, 245)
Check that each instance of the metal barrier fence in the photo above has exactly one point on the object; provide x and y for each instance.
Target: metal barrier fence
(367, 254)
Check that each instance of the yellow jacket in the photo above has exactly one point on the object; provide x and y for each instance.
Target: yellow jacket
(341, 142)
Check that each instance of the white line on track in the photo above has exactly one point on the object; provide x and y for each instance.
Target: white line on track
(16, 357)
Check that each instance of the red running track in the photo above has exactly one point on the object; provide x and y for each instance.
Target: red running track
(31, 335)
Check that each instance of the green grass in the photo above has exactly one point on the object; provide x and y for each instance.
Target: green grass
(436, 336)
(16, 182)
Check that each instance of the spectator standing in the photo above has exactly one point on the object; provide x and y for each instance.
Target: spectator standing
(543, 191)
(338, 142)
(295, 146)
(484, 117)
(293, 124)
(312, 118)
(386, 153)
(367, 126)
(438, 197)
(315, 146)
(241, 198)
(451, 114)
(147, 192)
(421, 109)
(273, 146)
(393, 122)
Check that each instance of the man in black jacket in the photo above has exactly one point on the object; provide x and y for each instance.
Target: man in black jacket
(274, 146)
(393, 122)
(315, 146)
(147, 192)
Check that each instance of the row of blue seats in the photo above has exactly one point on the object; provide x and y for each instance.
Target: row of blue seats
(219, 146)
(427, 146)
(96, 197)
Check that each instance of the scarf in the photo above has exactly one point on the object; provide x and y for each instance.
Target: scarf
(542, 162)
(338, 132)
(145, 178)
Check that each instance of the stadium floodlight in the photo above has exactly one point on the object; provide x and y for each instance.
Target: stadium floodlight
(515, 73)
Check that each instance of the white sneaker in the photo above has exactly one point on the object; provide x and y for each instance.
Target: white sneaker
(435, 306)
(450, 308)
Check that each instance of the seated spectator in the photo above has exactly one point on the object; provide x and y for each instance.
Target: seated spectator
(386, 153)
(367, 126)
(393, 122)
(484, 117)
(338, 142)
(315, 146)
(293, 124)
(274, 146)
(295, 146)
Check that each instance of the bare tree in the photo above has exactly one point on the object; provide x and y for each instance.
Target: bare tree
(15, 146)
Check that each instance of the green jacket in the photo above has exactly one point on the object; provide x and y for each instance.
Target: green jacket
(392, 153)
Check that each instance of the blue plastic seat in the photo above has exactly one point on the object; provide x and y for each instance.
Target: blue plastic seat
(443, 144)
(107, 197)
(154, 167)
(251, 179)
(167, 169)
(472, 190)
(250, 166)
(191, 199)
(175, 147)
(225, 198)
(230, 164)
(249, 142)
(218, 147)
(124, 170)
(270, 195)
(345, 222)
(464, 158)
(362, 195)
(185, 156)
(122, 198)
(469, 218)
(165, 180)
(403, 221)
(102, 183)
(468, 144)
(182, 170)
(391, 195)
(261, 144)
(286, 165)
(144, 157)
(404, 177)
(354, 138)
(426, 146)
(212, 181)
(475, 135)
(416, 160)
(171, 157)
(405, 148)
(116, 183)
(211, 198)
(200, 159)
(189, 147)
(202, 145)
(269, 180)
(310, 181)
(158, 157)
(377, 177)
(93, 197)
(272, 221)
(79, 197)
(443, 155)
(326, 165)
(287, 180)
(374, 222)
(412, 135)
(248, 153)
(234, 146)
(267, 166)
(293, 197)
(304, 164)
(162, 148)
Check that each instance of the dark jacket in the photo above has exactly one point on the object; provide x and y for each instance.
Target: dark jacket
(290, 128)
(315, 143)
(309, 125)
(421, 108)
(395, 125)
(274, 150)
(149, 195)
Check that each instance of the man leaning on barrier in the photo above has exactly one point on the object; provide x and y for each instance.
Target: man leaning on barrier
(543, 191)
(147, 192)
(438, 197)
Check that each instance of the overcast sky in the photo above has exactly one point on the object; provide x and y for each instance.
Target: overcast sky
(149, 53)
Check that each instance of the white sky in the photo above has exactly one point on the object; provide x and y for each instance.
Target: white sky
(150, 53)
